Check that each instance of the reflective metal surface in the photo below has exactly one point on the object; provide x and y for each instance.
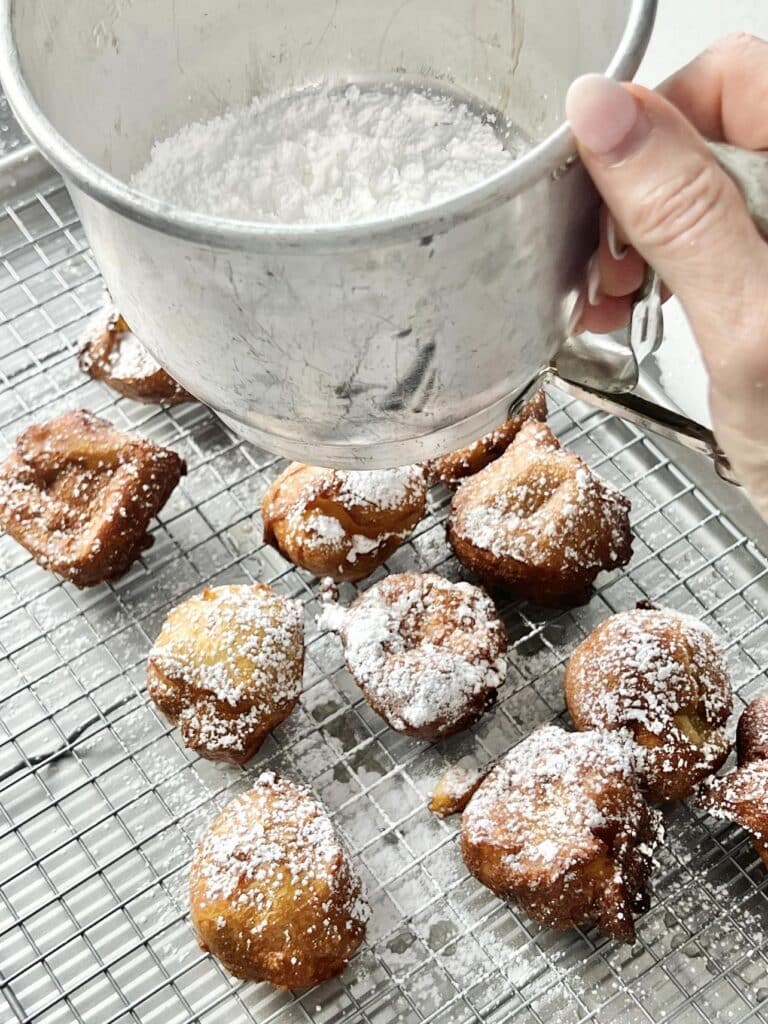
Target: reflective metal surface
(100, 805)
(361, 345)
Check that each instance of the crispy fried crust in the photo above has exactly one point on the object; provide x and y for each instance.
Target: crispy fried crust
(79, 495)
(752, 733)
(342, 524)
(454, 789)
(142, 379)
(227, 668)
(273, 894)
(452, 468)
(742, 795)
(560, 827)
(428, 654)
(538, 523)
(664, 676)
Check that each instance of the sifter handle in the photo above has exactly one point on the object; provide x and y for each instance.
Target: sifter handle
(749, 170)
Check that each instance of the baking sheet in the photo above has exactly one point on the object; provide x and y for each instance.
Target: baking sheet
(100, 805)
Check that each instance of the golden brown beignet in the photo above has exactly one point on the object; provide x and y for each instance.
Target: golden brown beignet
(560, 827)
(741, 797)
(111, 352)
(227, 668)
(752, 733)
(538, 523)
(79, 495)
(452, 468)
(428, 654)
(273, 893)
(664, 676)
(342, 524)
(454, 789)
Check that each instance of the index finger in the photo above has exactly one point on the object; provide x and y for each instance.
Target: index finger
(724, 91)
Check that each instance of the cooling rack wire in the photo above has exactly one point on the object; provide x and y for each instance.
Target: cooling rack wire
(100, 805)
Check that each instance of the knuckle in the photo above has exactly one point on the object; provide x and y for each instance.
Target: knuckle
(736, 44)
(685, 207)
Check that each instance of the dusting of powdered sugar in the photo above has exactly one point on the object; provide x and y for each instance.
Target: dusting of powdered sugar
(326, 156)
(275, 836)
(654, 669)
(323, 530)
(344, 515)
(503, 527)
(413, 676)
(105, 318)
(741, 797)
(129, 358)
(78, 494)
(550, 794)
(454, 789)
(382, 488)
(645, 666)
(752, 741)
(537, 498)
(226, 661)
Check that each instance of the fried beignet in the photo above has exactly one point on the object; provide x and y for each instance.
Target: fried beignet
(273, 893)
(454, 789)
(428, 654)
(342, 524)
(741, 797)
(227, 668)
(452, 468)
(752, 732)
(560, 827)
(664, 676)
(538, 523)
(79, 495)
(111, 352)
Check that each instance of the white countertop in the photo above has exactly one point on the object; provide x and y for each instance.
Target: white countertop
(683, 29)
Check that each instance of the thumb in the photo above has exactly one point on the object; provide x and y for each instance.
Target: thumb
(680, 210)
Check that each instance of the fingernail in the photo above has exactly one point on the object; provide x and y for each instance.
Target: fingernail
(605, 117)
(593, 280)
(577, 313)
(616, 248)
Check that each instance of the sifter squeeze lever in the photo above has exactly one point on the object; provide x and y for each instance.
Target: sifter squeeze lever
(580, 375)
(750, 172)
(646, 326)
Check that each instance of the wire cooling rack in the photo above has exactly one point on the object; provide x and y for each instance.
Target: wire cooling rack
(100, 805)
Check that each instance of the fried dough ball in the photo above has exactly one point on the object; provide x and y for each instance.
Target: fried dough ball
(454, 789)
(452, 468)
(342, 524)
(742, 796)
(429, 655)
(79, 495)
(560, 827)
(752, 733)
(227, 668)
(111, 352)
(273, 893)
(664, 676)
(538, 523)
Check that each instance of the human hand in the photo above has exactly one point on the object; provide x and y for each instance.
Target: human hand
(673, 206)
